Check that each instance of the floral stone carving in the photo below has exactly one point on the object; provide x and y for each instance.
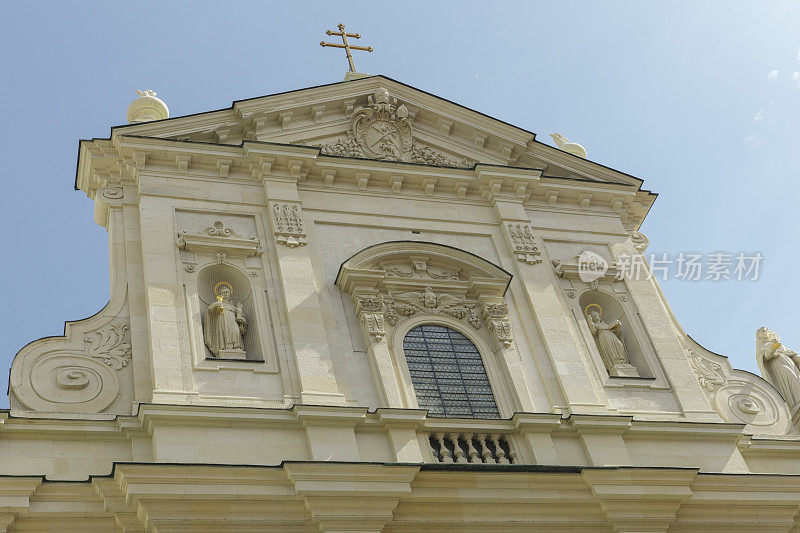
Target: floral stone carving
(108, 343)
(708, 373)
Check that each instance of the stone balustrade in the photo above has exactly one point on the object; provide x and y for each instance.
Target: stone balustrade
(473, 448)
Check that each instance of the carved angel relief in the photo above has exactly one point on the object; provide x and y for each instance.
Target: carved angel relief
(412, 302)
(381, 130)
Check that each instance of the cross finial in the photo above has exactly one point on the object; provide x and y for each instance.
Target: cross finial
(347, 46)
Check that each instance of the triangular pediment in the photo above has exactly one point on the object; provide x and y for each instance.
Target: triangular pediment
(378, 118)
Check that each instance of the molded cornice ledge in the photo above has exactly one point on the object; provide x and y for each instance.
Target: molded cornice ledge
(359, 497)
(622, 494)
(329, 415)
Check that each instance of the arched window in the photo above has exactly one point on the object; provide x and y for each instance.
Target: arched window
(448, 374)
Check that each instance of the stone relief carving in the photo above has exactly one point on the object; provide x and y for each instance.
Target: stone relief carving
(496, 318)
(419, 268)
(217, 236)
(381, 130)
(370, 313)
(392, 281)
(779, 365)
(412, 302)
(224, 325)
(737, 400)
(428, 156)
(289, 228)
(609, 343)
(349, 147)
(708, 373)
(522, 242)
(58, 378)
(109, 344)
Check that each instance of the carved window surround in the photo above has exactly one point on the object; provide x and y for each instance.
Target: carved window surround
(396, 286)
(409, 279)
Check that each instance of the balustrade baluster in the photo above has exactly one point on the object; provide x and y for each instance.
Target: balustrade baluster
(459, 453)
(471, 451)
(485, 451)
(512, 451)
(444, 453)
(498, 451)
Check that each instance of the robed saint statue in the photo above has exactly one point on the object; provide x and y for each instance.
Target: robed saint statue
(609, 343)
(224, 325)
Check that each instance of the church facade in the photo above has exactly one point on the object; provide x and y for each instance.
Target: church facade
(362, 307)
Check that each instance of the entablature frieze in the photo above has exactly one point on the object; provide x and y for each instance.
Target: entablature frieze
(253, 162)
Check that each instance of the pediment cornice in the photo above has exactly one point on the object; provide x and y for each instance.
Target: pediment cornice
(451, 134)
(106, 163)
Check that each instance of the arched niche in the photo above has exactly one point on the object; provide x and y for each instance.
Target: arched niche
(396, 284)
(613, 310)
(207, 279)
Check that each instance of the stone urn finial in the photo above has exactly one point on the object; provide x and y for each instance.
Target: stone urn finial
(147, 108)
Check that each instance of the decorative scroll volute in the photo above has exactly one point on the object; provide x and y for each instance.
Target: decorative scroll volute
(391, 282)
(58, 378)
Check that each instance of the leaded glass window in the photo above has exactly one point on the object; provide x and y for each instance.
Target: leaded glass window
(448, 374)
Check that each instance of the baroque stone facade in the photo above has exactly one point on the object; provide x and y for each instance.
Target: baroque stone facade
(264, 364)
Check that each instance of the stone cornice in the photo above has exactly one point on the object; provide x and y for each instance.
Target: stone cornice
(103, 163)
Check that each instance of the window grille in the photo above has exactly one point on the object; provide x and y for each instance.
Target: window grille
(448, 374)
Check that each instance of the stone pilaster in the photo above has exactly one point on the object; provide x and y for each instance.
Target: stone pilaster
(302, 303)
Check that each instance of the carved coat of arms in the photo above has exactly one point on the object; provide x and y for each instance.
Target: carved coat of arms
(382, 128)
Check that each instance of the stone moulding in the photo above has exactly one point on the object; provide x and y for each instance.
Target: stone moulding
(219, 238)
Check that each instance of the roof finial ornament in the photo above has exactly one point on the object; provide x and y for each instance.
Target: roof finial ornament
(564, 145)
(147, 108)
(351, 74)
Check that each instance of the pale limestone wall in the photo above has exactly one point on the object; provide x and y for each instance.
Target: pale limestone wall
(330, 387)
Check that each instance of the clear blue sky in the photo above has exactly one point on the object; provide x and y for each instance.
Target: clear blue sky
(700, 99)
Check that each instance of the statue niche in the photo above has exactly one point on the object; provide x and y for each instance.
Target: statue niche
(610, 343)
(226, 315)
(225, 324)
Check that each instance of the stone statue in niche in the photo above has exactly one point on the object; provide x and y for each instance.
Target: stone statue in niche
(779, 365)
(609, 343)
(224, 325)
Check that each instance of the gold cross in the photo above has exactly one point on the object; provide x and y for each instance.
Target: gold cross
(347, 46)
